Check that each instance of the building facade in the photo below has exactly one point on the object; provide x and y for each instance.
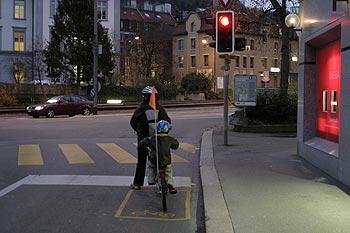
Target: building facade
(261, 57)
(323, 102)
(25, 29)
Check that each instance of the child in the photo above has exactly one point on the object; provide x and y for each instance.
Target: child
(165, 142)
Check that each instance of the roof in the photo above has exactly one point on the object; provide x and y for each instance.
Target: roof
(146, 16)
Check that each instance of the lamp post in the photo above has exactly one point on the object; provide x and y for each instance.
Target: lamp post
(95, 53)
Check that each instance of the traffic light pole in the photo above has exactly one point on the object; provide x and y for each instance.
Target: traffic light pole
(226, 69)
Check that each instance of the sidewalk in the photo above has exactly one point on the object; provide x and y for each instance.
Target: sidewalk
(258, 184)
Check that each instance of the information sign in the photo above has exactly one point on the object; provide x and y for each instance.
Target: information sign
(244, 90)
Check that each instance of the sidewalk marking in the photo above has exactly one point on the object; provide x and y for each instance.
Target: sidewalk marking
(117, 153)
(90, 180)
(188, 147)
(29, 155)
(152, 210)
(74, 154)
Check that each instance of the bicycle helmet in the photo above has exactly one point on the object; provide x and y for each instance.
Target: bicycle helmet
(163, 126)
(148, 90)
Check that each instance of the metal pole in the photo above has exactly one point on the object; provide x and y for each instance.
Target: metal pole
(226, 74)
(94, 48)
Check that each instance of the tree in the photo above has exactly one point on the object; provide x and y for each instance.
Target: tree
(69, 52)
(281, 9)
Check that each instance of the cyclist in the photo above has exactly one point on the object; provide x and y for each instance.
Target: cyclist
(165, 142)
(142, 121)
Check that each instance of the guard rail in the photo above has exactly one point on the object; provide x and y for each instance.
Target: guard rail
(125, 106)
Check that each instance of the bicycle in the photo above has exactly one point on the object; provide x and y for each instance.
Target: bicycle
(161, 181)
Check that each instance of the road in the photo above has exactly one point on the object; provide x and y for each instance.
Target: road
(72, 174)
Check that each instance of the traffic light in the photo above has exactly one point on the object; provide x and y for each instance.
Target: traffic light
(224, 32)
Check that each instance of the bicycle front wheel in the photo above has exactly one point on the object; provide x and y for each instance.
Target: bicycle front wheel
(164, 190)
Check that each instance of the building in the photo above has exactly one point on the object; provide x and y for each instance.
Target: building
(145, 42)
(261, 56)
(323, 102)
(25, 30)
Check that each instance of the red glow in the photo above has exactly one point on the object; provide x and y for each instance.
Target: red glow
(328, 71)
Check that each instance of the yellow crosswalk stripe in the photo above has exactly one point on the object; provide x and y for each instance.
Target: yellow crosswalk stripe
(188, 147)
(29, 155)
(117, 153)
(75, 154)
(177, 159)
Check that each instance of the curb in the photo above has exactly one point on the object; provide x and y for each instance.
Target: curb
(217, 216)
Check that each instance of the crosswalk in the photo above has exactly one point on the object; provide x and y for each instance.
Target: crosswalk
(31, 154)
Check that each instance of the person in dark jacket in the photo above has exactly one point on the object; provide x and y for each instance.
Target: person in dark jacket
(143, 122)
(163, 142)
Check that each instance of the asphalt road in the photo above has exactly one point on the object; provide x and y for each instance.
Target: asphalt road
(64, 175)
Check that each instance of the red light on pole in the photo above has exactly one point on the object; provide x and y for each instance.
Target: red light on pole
(224, 32)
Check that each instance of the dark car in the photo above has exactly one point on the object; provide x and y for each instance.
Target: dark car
(61, 105)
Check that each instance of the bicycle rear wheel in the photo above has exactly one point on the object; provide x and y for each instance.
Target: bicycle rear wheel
(164, 190)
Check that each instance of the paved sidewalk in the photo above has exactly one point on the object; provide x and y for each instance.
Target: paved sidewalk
(258, 184)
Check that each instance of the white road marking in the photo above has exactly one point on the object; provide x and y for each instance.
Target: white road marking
(91, 180)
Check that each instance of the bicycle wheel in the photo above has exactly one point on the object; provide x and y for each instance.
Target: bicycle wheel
(164, 190)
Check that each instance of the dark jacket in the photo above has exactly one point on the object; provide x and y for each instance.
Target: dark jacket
(165, 142)
(141, 124)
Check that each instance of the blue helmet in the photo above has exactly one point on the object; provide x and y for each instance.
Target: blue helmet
(163, 126)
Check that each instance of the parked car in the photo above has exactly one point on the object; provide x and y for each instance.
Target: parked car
(61, 105)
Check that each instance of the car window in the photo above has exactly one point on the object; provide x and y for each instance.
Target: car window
(76, 99)
(53, 99)
(66, 99)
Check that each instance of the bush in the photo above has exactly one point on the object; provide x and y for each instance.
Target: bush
(273, 108)
(195, 83)
(6, 99)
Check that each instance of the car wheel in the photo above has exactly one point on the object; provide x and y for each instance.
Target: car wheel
(50, 113)
(35, 116)
(86, 111)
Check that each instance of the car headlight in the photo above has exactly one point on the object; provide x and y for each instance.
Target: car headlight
(27, 108)
(38, 108)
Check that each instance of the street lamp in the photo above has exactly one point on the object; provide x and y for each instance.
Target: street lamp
(292, 21)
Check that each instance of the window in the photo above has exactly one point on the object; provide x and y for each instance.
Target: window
(18, 72)
(53, 5)
(19, 9)
(276, 46)
(333, 101)
(324, 101)
(193, 27)
(193, 43)
(102, 10)
(18, 40)
(244, 62)
(251, 62)
(251, 44)
(275, 62)
(206, 59)
(264, 63)
(193, 61)
(181, 62)
(237, 61)
(181, 44)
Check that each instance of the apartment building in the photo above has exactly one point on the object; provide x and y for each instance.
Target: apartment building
(262, 56)
(25, 27)
(145, 42)
(323, 101)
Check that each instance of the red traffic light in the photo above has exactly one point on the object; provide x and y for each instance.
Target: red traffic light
(224, 32)
(224, 20)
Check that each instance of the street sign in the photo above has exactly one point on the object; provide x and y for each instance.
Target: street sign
(92, 93)
(225, 3)
(244, 90)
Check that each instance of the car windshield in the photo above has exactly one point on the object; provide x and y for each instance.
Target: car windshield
(53, 99)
